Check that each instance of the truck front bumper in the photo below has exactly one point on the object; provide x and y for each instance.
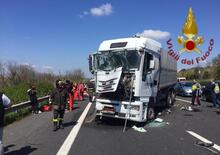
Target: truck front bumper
(121, 109)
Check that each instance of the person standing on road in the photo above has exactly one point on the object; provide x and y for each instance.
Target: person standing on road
(33, 98)
(69, 89)
(198, 93)
(76, 93)
(217, 93)
(195, 93)
(81, 91)
(59, 98)
(213, 89)
(4, 103)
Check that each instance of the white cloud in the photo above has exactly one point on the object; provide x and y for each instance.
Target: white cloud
(103, 10)
(154, 34)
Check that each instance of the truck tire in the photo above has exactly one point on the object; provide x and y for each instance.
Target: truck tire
(169, 99)
(151, 115)
(173, 96)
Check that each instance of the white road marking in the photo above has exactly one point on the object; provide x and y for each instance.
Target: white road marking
(65, 148)
(217, 147)
(178, 99)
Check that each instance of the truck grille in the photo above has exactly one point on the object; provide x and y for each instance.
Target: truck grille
(106, 86)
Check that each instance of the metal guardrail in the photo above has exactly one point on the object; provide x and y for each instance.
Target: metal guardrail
(25, 104)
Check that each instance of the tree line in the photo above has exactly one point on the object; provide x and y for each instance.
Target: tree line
(16, 78)
(210, 71)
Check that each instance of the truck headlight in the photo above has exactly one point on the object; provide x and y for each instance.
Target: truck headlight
(135, 107)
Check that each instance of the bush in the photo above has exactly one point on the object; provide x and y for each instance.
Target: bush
(18, 93)
(17, 115)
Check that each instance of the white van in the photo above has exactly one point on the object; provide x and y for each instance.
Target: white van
(179, 79)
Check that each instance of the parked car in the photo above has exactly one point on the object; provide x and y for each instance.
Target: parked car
(184, 88)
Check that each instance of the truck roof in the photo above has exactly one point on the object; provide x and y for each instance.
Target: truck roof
(129, 43)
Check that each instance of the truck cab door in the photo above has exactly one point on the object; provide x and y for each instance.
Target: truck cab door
(150, 75)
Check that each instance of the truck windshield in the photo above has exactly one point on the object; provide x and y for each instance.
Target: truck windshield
(113, 59)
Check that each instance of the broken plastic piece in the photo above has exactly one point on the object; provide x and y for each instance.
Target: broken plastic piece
(183, 108)
(158, 120)
(139, 129)
(168, 111)
(190, 108)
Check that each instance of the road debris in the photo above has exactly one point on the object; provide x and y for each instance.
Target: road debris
(139, 129)
(189, 108)
(158, 120)
(157, 123)
(168, 111)
(206, 146)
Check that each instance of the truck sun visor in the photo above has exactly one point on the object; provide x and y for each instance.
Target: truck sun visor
(120, 44)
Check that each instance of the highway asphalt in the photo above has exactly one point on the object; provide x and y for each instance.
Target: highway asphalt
(33, 135)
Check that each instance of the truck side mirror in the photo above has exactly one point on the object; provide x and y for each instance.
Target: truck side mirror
(152, 65)
(91, 64)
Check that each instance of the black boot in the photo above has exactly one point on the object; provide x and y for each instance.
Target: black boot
(61, 124)
(55, 126)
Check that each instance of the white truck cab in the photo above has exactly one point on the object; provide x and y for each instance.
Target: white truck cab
(132, 77)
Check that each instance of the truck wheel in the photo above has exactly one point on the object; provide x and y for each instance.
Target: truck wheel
(150, 113)
(173, 96)
(169, 99)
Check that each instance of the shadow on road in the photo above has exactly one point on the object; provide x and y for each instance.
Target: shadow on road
(23, 151)
(67, 124)
(113, 122)
(74, 108)
(187, 115)
(197, 110)
(209, 106)
(6, 148)
(217, 112)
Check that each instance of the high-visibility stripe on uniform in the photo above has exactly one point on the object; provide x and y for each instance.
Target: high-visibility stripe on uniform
(55, 120)
(216, 89)
(194, 87)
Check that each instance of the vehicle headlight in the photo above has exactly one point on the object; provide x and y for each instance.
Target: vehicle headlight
(135, 107)
(132, 107)
(188, 91)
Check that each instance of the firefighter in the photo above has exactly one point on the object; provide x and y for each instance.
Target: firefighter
(195, 93)
(214, 91)
(217, 92)
(198, 93)
(59, 100)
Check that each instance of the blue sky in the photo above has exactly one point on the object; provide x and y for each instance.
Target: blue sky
(55, 35)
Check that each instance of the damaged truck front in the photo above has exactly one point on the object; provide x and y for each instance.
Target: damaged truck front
(132, 76)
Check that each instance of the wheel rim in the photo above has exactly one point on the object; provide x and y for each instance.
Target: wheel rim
(151, 114)
(172, 97)
(169, 100)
